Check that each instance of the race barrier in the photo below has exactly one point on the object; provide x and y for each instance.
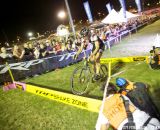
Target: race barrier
(25, 69)
(123, 33)
(124, 59)
(89, 104)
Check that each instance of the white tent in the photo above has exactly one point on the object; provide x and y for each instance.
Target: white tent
(128, 14)
(113, 18)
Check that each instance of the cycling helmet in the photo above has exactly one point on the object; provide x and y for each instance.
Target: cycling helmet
(84, 32)
(121, 82)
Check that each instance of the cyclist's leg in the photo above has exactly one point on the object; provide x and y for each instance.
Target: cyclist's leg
(97, 61)
(92, 61)
(98, 65)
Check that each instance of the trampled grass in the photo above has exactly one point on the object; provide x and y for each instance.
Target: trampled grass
(24, 111)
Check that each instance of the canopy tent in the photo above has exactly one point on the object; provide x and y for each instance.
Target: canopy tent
(128, 14)
(113, 17)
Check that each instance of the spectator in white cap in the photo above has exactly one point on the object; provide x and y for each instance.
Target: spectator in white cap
(4, 53)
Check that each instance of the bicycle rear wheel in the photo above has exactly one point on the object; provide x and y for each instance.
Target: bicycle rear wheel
(80, 80)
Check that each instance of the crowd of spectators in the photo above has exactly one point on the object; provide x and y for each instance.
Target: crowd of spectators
(51, 47)
(37, 49)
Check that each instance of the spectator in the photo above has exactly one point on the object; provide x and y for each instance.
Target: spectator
(31, 49)
(43, 52)
(7, 44)
(18, 52)
(78, 42)
(63, 48)
(58, 48)
(69, 46)
(4, 53)
(26, 49)
(36, 53)
(49, 47)
(28, 55)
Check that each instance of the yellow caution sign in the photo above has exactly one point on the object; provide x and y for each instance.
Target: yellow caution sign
(89, 104)
(125, 59)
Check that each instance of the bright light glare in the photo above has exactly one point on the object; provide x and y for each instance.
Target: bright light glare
(30, 34)
(61, 14)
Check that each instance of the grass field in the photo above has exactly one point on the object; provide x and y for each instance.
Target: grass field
(24, 111)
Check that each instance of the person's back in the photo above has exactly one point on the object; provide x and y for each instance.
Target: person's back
(137, 92)
(120, 113)
(114, 110)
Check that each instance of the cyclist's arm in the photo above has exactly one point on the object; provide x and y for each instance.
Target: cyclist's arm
(96, 47)
(80, 49)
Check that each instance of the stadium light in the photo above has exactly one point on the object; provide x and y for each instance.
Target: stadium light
(62, 14)
(30, 34)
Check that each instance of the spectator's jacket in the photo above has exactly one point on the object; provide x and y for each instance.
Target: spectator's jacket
(115, 111)
(139, 96)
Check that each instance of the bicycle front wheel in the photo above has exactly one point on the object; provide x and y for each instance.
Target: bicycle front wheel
(80, 80)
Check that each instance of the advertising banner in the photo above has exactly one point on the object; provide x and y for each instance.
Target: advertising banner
(88, 11)
(109, 7)
(123, 5)
(138, 3)
(25, 69)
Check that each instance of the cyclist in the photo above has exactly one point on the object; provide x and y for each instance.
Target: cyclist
(97, 50)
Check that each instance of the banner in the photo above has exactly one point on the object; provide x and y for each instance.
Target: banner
(88, 11)
(109, 7)
(89, 104)
(125, 59)
(25, 69)
(138, 3)
(123, 5)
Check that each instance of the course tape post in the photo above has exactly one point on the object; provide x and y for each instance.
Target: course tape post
(105, 89)
(89, 104)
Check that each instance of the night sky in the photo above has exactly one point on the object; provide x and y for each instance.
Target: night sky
(19, 16)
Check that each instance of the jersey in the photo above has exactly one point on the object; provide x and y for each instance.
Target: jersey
(95, 38)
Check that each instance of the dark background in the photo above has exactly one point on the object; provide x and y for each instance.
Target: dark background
(17, 17)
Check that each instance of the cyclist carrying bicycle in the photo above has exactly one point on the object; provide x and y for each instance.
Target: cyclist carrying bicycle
(97, 50)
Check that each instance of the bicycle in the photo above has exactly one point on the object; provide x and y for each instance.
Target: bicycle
(82, 77)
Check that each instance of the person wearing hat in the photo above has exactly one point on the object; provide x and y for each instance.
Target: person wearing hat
(121, 114)
(155, 58)
(137, 92)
